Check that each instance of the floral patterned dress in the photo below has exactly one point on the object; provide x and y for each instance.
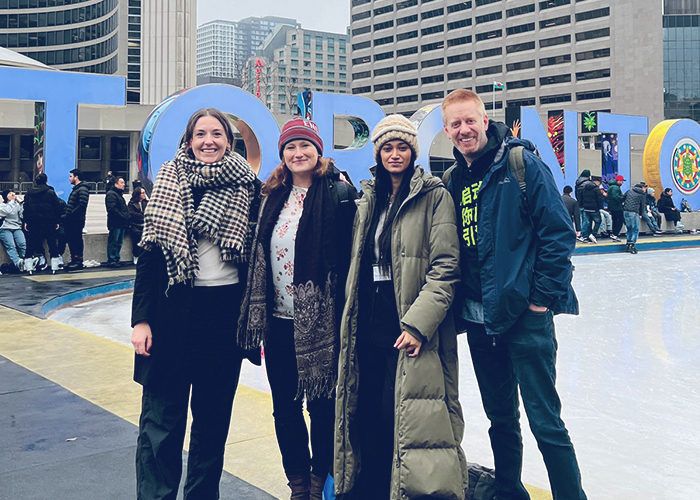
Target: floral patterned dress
(282, 242)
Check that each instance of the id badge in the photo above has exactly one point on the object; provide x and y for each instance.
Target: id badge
(381, 274)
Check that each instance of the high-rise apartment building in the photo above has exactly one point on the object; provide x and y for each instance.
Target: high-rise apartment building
(552, 54)
(151, 43)
(223, 47)
(216, 55)
(293, 60)
(681, 28)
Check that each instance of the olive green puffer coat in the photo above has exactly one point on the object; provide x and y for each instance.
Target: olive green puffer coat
(428, 421)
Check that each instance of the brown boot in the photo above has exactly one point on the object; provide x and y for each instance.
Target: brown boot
(299, 484)
(317, 484)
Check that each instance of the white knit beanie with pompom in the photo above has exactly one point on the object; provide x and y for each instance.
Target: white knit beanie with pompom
(395, 127)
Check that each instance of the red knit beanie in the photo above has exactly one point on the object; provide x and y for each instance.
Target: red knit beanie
(300, 129)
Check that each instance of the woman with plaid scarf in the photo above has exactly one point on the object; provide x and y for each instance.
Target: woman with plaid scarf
(197, 231)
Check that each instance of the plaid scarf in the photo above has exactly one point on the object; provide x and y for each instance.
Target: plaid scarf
(314, 289)
(172, 223)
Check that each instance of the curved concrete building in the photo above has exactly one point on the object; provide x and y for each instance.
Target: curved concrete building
(73, 35)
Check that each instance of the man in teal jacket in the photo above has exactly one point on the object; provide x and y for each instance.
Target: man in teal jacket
(515, 247)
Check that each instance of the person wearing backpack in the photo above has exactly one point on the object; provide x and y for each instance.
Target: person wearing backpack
(516, 240)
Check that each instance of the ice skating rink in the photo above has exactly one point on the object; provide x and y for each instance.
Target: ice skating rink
(628, 375)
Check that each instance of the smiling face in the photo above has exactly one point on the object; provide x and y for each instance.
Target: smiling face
(396, 156)
(209, 142)
(465, 124)
(301, 158)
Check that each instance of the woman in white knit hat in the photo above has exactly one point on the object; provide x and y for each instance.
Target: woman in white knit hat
(399, 423)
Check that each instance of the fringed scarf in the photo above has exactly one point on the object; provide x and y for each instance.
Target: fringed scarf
(314, 294)
(172, 223)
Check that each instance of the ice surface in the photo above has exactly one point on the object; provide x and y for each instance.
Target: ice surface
(628, 375)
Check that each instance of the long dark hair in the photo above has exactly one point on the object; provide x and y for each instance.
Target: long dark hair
(136, 196)
(383, 189)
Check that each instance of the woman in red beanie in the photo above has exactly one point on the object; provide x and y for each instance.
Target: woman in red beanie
(295, 296)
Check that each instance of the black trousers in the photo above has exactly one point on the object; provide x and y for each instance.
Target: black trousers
(290, 426)
(213, 372)
(375, 421)
(74, 238)
(36, 234)
(618, 219)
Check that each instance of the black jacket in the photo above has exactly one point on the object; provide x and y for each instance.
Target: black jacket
(635, 200)
(136, 210)
(573, 209)
(581, 182)
(117, 212)
(165, 313)
(77, 205)
(591, 197)
(41, 206)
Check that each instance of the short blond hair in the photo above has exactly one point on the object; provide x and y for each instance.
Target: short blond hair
(460, 95)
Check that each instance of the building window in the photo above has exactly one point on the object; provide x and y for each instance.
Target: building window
(489, 70)
(590, 35)
(486, 18)
(362, 90)
(407, 36)
(553, 61)
(520, 47)
(519, 103)
(592, 14)
(519, 11)
(555, 21)
(554, 99)
(362, 45)
(384, 86)
(362, 30)
(406, 4)
(481, 54)
(462, 23)
(520, 65)
(462, 40)
(406, 67)
(381, 71)
(593, 94)
(521, 28)
(432, 79)
(383, 10)
(592, 75)
(90, 148)
(464, 56)
(384, 25)
(405, 52)
(406, 98)
(488, 35)
(458, 7)
(553, 80)
(432, 63)
(479, 3)
(520, 84)
(592, 54)
(432, 29)
(407, 83)
(557, 40)
(385, 55)
(359, 16)
(406, 20)
(549, 4)
(385, 102)
(433, 95)
(384, 40)
(458, 75)
(432, 46)
(361, 60)
(432, 13)
(361, 75)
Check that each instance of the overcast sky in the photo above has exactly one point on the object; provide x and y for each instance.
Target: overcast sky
(322, 15)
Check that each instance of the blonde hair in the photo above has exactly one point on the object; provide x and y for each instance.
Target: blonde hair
(461, 95)
(281, 176)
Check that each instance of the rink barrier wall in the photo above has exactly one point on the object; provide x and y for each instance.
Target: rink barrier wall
(85, 295)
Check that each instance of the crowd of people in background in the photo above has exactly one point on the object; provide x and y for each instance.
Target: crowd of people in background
(40, 221)
(597, 211)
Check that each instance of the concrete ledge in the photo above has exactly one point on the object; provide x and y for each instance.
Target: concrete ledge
(95, 249)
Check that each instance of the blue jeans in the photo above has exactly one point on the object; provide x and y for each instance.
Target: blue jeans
(524, 357)
(114, 244)
(591, 218)
(14, 243)
(632, 223)
(651, 222)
